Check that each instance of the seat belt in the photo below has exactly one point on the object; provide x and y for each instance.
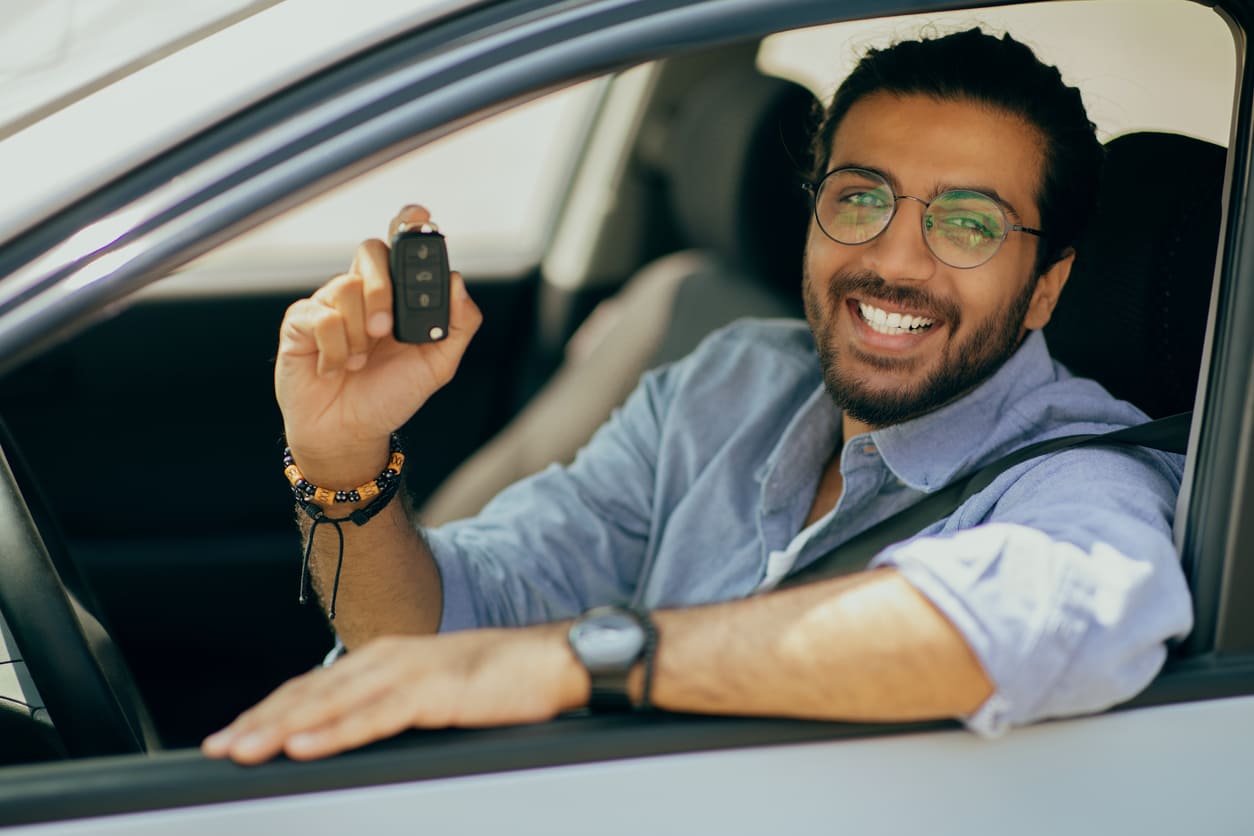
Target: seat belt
(1169, 434)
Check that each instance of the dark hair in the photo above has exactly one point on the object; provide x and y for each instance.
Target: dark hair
(1005, 74)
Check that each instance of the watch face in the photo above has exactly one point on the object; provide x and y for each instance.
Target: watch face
(607, 639)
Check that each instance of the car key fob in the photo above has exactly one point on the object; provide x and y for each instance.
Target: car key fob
(420, 285)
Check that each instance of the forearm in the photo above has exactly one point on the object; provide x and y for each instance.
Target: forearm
(389, 584)
(866, 647)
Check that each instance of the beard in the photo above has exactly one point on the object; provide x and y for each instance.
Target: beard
(963, 365)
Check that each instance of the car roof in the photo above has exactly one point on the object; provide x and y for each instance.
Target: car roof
(87, 132)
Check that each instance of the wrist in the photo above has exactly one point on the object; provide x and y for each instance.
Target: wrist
(575, 686)
(340, 467)
(616, 647)
(374, 492)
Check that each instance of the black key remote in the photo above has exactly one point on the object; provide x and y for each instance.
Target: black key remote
(420, 285)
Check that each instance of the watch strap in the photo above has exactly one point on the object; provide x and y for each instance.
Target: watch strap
(609, 692)
(647, 658)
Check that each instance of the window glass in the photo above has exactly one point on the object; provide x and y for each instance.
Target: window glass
(493, 188)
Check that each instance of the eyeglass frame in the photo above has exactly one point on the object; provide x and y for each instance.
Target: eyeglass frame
(812, 188)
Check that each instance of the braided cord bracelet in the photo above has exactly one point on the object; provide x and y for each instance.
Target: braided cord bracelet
(310, 498)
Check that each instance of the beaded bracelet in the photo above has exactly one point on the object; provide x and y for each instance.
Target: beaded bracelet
(310, 498)
(306, 491)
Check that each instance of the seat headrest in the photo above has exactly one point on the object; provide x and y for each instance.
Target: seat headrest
(736, 156)
(1133, 314)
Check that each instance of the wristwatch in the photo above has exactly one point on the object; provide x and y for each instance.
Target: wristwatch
(608, 641)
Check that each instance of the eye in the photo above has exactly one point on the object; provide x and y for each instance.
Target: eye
(868, 199)
(971, 224)
(966, 219)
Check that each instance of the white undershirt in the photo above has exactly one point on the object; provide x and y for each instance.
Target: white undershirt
(780, 562)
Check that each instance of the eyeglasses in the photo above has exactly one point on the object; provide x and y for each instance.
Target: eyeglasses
(962, 228)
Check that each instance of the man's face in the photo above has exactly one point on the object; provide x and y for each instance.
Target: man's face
(977, 315)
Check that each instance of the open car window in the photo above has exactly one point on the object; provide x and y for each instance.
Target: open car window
(495, 189)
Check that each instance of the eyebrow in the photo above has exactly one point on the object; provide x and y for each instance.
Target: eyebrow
(940, 188)
(987, 190)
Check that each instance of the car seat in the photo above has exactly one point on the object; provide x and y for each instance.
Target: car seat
(733, 166)
(1133, 314)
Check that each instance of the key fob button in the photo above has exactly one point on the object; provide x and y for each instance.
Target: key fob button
(420, 277)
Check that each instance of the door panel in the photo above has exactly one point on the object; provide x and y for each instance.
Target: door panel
(1163, 770)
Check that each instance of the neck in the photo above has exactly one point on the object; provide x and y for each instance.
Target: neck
(852, 426)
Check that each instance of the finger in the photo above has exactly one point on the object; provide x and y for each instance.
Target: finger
(463, 322)
(344, 294)
(296, 337)
(411, 215)
(464, 316)
(384, 717)
(318, 699)
(431, 700)
(253, 736)
(261, 732)
(371, 263)
(332, 340)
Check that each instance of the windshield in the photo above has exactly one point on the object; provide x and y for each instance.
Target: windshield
(55, 52)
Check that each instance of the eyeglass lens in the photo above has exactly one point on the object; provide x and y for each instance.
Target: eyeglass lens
(961, 228)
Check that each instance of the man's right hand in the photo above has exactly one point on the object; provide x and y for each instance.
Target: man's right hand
(343, 382)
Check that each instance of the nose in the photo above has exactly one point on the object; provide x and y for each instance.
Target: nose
(899, 252)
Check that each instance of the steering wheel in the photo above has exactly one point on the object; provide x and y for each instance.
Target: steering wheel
(85, 684)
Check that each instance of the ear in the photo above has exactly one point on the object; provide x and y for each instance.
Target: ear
(1048, 289)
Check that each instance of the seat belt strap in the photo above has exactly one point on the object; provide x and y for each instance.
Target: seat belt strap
(1169, 434)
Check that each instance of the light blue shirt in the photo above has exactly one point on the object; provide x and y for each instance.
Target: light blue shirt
(1061, 575)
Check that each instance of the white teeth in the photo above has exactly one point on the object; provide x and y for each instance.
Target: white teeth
(884, 322)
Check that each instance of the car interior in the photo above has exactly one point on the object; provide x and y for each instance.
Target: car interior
(150, 443)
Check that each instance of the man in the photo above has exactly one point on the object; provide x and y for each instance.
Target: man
(952, 178)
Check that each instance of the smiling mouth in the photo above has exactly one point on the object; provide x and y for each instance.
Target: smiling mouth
(883, 322)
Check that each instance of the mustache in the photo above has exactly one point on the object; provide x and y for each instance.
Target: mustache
(843, 285)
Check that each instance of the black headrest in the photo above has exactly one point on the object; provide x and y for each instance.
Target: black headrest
(1133, 315)
(737, 152)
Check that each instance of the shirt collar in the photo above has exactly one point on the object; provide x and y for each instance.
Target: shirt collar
(928, 452)
(799, 455)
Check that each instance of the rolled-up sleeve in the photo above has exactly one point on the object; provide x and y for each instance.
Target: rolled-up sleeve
(1067, 589)
(562, 540)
